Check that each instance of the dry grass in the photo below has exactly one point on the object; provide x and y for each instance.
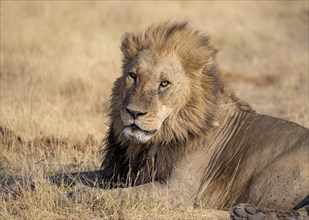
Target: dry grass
(58, 62)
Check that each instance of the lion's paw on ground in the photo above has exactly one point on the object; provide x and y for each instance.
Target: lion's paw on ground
(246, 211)
(250, 212)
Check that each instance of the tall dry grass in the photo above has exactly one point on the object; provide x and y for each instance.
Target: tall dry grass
(58, 62)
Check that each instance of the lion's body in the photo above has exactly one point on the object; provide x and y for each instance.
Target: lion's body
(176, 124)
(247, 158)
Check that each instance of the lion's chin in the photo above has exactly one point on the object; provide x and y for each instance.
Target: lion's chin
(136, 134)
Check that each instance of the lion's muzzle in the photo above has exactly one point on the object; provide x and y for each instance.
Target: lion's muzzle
(135, 132)
(138, 125)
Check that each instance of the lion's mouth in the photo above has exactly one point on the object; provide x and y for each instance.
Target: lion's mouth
(134, 127)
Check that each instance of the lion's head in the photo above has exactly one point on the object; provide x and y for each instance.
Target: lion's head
(168, 87)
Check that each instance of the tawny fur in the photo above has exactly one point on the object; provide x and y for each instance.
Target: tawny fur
(187, 133)
(175, 125)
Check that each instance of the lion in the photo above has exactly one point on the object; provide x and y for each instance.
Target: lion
(176, 127)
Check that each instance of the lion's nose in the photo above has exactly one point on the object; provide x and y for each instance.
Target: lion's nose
(135, 114)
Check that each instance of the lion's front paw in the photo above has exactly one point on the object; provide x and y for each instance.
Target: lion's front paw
(246, 211)
(250, 212)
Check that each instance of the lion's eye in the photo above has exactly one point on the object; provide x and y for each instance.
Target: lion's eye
(132, 75)
(165, 84)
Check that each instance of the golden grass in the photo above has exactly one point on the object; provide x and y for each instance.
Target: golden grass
(58, 62)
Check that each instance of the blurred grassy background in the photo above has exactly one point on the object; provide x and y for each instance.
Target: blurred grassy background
(59, 60)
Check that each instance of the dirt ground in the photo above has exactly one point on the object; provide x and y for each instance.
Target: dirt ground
(59, 60)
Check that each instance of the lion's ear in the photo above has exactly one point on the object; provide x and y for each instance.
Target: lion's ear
(129, 46)
(209, 61)
(200, 61)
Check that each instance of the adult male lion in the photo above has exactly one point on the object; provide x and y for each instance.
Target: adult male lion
(176, 127)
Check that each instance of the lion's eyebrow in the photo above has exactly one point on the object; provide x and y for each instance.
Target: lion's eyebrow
(162, 75)
(137, 69)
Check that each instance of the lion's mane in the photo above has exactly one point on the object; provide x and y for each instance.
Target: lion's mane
(154, 160)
